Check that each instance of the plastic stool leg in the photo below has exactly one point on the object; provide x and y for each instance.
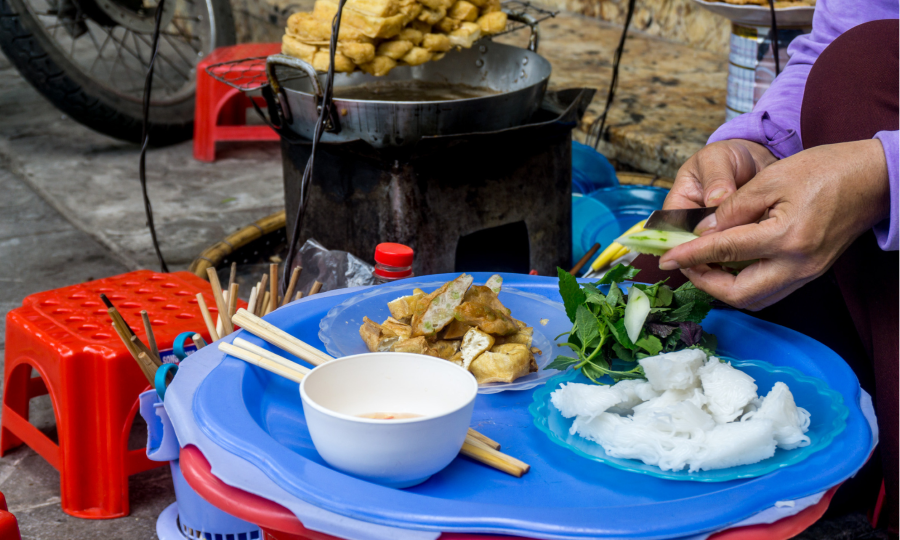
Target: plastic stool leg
(15, 400)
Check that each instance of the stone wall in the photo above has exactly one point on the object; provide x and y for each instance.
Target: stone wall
(683, 21)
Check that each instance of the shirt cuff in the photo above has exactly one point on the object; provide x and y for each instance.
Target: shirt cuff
(886, 231)
(760, 128)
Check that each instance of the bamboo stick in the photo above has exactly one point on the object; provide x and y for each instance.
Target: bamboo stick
(260, 361)
(299, 295)
(148, 329)
(114, 314)
(150, 366)
(265, 304)
(145, 349)
(292, 285)
(134, 353)
(198, 341)
(316, 287)
(484, 439)
(491, 457)
(207, 318)
(273, 286)
(261, 294)
(251, 302)
(220, 301)
(278, 337)
(220, 326)
(509, 459)
(278, 359)
(232, 300)
(233, 275)
(583, 261)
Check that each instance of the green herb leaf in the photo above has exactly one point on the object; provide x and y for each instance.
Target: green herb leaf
(672, 340)
(593, 298)
(571, 293)
(562, 363)
(590, 288)
(618, 331)
(614, 297)
(619, 273)
(664, 296)
(686, 294)
(650, 343)
(587, 325)
(678, 314)
(622, 353)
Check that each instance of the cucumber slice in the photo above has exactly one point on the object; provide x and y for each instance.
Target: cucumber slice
(652, 242)
(636, 311)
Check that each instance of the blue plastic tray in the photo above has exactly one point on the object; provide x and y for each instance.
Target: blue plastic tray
(258, 416)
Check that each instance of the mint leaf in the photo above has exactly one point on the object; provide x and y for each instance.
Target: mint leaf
(687, 294)
(618, 274)
(618, 331)
(622, 353)
(586, 324)
(562, 363)
(593, 298)
(614, 296)
(678, 314)
(571, 293)
(651, 344)
(591, 288)
(664, 296)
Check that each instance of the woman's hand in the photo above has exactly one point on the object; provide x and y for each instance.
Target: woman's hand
(717, 171)
(813, 205)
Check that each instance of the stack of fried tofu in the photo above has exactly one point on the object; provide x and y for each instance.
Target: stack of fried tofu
(377, 35)
(460, 322)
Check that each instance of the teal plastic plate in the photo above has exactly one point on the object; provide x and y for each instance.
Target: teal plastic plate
(828, 418)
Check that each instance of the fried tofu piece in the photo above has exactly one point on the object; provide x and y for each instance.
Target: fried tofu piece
(309, 27)
(359, 53)
(438, 56)
(291, 46)
(342, 64)
(437, 5)
(381, 65)
(494, 283)
(431, 16)
(393, 327)
(402, 308)
(436, 42)
(466, 35)
(474, 344)
(486, 318)
(395, 49)
(503, 363)
(446, 25)
(434, 311)
(410, 12)
(421, 26)
(416, 56)
(372, 333)
(492, 23)
(523, 336)
(455, 330)
(411, 35)
(443, 349)
(491, 6)
(375, 8)
(480, 294)
(373, 27)
(416, 345)
(463, 11)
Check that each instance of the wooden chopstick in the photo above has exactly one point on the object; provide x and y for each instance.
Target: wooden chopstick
(198, 341)
(260, 361)
(233, 275)
(316, 287)
(207, 318)
(278, 337)
(251, 302)
(220, 300)
(299, 295)
(266, 304)
(232, 300)
(474, 447)
(583, 261)
(148, 329)
(273, 286)
(484, 439)
(134, 353)
(261, 295)
(292, 285)
(115, 313)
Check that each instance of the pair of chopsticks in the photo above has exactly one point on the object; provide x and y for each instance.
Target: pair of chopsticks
(477, 446)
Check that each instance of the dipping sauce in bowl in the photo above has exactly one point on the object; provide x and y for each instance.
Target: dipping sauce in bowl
(346, 403)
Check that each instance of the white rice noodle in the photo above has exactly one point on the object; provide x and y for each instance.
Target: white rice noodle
(789, 421)
(674, 371)
(737, 443)
(635, 392)
(727, 390)
(576, 399)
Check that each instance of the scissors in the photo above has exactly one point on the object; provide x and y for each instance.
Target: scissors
(162, 379)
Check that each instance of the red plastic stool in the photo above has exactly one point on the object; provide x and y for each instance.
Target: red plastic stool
(279, 523)
(9, 527)
(93, 382)
(220, 112)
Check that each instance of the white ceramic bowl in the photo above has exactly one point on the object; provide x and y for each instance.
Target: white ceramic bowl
(396, 453)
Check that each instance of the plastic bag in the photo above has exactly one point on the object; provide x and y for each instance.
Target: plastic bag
(333, 268)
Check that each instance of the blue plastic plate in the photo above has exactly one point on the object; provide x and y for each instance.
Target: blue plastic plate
(257, 416)
(339, 330)
(828, 417)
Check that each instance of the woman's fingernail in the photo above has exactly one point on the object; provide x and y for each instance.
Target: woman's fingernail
(708, 224)
(715, 196)
(668, 265)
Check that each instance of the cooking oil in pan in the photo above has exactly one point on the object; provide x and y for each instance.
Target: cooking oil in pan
(411, 90)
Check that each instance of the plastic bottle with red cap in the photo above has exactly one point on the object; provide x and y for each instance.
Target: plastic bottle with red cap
(392, 262)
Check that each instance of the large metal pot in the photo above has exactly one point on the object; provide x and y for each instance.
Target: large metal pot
(519, 76)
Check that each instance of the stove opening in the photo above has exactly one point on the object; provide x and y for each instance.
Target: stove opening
(498, 249)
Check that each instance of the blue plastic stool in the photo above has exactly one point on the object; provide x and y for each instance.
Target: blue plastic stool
(590, 170)
(190, 517)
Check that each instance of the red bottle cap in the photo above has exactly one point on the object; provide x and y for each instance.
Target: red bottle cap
(396, 255)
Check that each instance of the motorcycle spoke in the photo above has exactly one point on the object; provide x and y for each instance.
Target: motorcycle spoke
(174, 46)
(164, 58)
(100, 49)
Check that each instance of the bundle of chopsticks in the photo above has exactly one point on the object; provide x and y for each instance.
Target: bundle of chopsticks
(477, 446)
(146, 355)
(261, 301)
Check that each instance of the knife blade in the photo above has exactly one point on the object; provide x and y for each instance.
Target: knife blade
(685, 219)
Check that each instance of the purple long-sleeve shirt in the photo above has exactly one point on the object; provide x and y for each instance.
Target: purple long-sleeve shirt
(775, 120)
